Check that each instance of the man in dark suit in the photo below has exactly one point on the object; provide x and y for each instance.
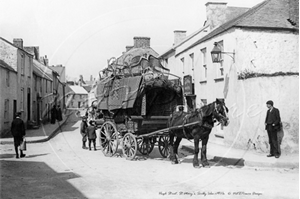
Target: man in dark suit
(272, 123)
(18, 132)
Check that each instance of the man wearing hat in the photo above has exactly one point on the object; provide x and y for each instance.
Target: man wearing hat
(272, 123)
(18, 132)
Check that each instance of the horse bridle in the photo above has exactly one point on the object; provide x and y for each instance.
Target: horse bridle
(219, 114)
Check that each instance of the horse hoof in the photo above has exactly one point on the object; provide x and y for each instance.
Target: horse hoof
(197, 166)
(174, 162)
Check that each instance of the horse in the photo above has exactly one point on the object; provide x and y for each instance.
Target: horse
(201, 123)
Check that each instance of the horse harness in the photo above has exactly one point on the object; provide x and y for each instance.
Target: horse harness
(185, 121)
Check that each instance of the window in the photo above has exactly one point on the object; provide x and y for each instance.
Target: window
(46, 86)
(51, 87)
(22, 64)
(35, 83)
(41, 85)
(22, 99)
(182, 60)
(220, 68)
(6, 109)
(204, 65)
(7, 78)
(192, 64)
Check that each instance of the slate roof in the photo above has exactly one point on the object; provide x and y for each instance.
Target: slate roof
(270, 14)
(78, 90)
(23, 50)
(60, 71)
(3, 64)
(41, 71)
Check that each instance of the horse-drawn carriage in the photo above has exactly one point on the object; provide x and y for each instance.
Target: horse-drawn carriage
(136, 100)
(136, 97)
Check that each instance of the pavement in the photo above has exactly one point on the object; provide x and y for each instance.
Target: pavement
(238, 157)
(42, 134)
(216, 152)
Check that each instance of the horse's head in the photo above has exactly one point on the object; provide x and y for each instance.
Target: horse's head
(221, 112)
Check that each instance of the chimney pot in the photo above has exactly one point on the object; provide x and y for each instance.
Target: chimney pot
(128, 48)
(46, 60)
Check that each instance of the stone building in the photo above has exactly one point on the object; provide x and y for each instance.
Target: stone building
(19, 97)
(77, 97)
(261, 64)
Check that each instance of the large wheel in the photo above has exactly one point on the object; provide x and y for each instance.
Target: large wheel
(108, 139)
(146, 145)
(163, 145)
(129, 146)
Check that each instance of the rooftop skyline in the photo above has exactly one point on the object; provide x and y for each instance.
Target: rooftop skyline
(83, 35)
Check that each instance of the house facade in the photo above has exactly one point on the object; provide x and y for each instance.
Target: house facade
(261, 64)
(20, 60)
(76, 97)
(8, 89)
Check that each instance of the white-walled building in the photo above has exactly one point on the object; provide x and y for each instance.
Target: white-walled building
(265, 42)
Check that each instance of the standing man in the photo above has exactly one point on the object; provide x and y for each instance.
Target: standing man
(18, 132)
(273, 126)
(53, 114)
(58, 114)
(83, 131)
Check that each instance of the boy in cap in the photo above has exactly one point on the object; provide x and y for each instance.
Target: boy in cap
(272, 124)
(91, 133)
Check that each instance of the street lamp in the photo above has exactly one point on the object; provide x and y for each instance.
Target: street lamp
(216, 54)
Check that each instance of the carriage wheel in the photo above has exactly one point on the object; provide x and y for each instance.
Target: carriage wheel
(108, 139)
(163, 145)
(129, 146)
(146, 145)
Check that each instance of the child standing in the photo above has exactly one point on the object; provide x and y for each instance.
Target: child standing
(91, 133)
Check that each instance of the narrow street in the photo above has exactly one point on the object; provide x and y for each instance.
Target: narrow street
(60, 168)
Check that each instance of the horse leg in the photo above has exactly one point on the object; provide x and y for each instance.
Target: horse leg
(175, 150)
(203, 152)
(171, 149)
(196, 151)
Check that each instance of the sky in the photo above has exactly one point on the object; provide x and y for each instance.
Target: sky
(83, 34)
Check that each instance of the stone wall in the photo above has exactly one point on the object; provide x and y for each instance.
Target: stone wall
(248, 111)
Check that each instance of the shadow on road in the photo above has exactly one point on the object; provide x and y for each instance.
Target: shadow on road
(7, 155)
(27, 179)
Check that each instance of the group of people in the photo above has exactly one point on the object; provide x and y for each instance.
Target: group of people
(88, 131)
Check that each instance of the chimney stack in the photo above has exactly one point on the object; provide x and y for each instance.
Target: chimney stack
(141, 42)
(18, 42)
(216, 13)
(179, 35)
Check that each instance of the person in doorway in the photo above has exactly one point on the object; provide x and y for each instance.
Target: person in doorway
(58, 114)
(83, 131)
(91, 132)
(272, 124)
(18, 132)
